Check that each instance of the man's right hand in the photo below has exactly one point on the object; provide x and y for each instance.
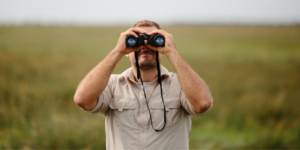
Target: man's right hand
(121, 46)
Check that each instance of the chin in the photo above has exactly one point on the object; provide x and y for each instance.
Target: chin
(147, 65)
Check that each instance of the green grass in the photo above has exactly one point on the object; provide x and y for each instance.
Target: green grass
(253, 74)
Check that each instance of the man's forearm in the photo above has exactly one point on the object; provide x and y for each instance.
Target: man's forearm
(95, 81)
(192, 85)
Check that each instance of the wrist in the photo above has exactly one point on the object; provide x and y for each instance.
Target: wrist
(117, 53)
(172, 53)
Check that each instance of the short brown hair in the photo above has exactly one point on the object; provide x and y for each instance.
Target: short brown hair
(146, 23)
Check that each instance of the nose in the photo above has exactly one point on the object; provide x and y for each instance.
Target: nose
(145, 42)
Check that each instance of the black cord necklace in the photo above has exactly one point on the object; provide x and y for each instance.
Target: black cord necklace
(161, 91)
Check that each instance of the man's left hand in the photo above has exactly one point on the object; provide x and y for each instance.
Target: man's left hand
(169, 43)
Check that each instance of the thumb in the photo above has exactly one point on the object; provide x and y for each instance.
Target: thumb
(159, 49)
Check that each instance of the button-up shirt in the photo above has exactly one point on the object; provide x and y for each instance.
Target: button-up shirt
(127, 119)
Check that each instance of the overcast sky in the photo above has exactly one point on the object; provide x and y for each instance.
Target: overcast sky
(117, 12)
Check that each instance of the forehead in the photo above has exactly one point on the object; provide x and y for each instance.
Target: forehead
(147, 29)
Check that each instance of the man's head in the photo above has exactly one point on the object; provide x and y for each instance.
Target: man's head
(147, 57)
(146, 23)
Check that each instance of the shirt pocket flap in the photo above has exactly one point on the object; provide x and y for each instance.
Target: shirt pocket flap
(173, 102)
(122, 103)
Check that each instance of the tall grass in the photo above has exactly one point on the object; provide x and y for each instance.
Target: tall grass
(253, 74)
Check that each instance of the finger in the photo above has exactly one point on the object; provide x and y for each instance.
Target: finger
(137, 30)
(134, 49)
(153, 47)
(137, 48)
(131, 33)
(162, 32)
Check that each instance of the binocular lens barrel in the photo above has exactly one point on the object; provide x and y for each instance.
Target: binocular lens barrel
(131, 41)
(159, 41)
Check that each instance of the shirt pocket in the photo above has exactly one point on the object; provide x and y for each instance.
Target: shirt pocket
(123, 112)
(173, 114)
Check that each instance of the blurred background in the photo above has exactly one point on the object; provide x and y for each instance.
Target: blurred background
(248, 52)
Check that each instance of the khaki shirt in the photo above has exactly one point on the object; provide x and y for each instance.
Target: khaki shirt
(127, 119)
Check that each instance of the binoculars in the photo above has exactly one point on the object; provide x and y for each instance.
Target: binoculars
(153, 40)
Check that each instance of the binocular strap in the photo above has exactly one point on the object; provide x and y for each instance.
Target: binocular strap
(161, 91)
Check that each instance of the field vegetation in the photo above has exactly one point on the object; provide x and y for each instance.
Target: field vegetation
(253, 74)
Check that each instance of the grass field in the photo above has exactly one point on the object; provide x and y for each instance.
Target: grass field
(253, 74)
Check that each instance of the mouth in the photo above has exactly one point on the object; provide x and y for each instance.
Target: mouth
(146, 52)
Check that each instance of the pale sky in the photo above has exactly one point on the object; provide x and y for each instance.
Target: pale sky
(115, 12)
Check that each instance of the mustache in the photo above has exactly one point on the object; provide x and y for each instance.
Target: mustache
(146, 51)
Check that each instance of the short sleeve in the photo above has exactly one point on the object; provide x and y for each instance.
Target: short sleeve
(104, 98)
(188, 106)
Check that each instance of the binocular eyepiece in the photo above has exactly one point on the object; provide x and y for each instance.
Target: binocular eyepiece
(154, 40)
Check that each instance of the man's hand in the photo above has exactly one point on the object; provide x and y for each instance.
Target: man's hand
(169, 43)
(121, 46)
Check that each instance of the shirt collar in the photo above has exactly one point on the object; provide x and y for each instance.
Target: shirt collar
(128, 73)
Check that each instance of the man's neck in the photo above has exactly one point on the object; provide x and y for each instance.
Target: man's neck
(147, 75)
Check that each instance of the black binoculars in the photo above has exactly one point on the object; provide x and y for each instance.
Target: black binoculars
(154, 40)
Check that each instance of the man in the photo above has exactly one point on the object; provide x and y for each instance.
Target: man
(121, 98)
